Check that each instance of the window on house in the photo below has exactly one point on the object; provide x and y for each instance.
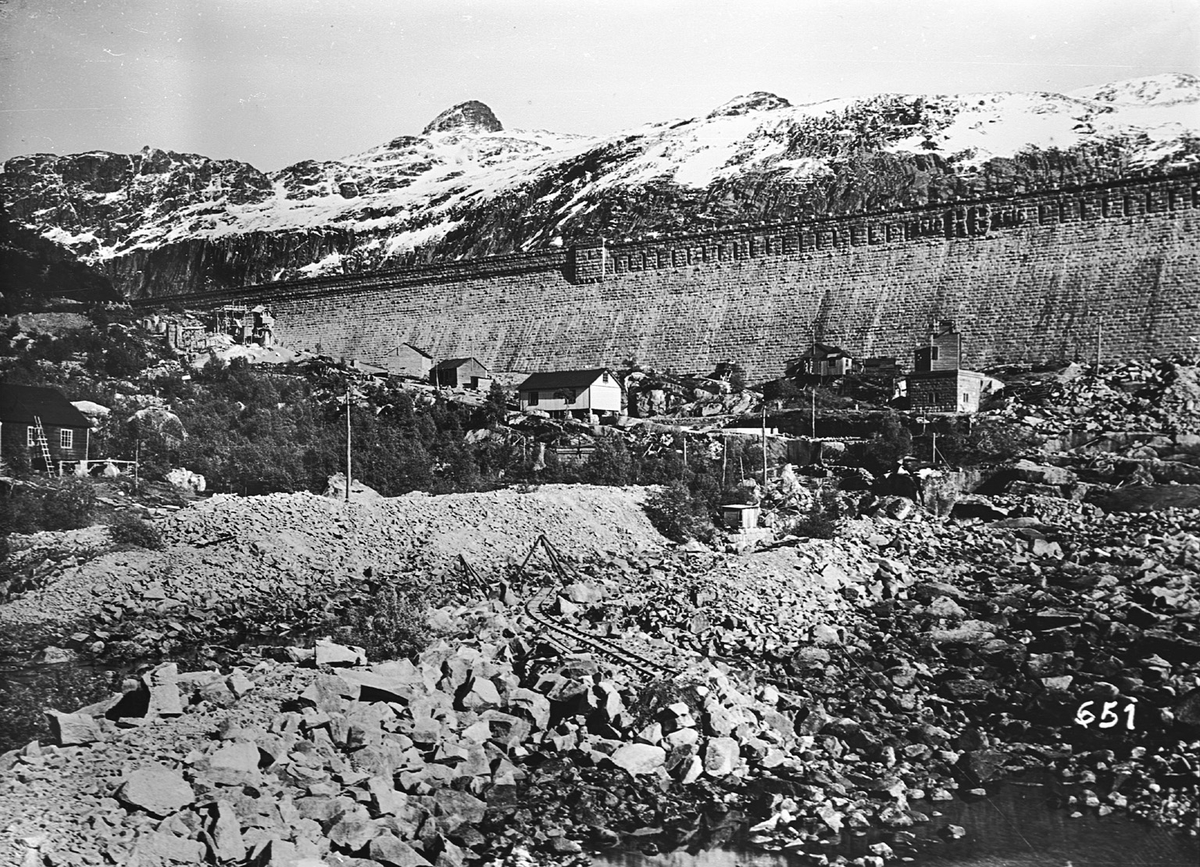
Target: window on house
(31, 436)
(533, 398)
(966, 399)
(933, 353)
(66, 439)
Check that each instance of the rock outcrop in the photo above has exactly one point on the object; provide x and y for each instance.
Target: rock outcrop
(471, 116)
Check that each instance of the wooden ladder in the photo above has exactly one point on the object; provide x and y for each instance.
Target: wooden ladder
(43, 443)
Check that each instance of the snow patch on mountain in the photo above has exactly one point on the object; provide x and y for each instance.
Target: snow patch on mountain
(991, 125)
(415, 190)
(1165, 89)
(760, 100)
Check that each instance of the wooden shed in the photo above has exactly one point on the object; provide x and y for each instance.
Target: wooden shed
(42, 424)
(461, 373)
(408, 360)
(740, 517)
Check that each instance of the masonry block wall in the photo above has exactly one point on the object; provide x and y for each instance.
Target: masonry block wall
(1033, 278)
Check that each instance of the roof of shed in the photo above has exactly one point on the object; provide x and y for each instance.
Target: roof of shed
(452, 363)
(21, 403)
(822, 351)
(562, 379)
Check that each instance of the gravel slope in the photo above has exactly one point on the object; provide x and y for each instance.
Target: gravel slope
(229, 546)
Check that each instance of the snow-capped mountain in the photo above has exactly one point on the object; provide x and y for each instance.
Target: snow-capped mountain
(161, 223)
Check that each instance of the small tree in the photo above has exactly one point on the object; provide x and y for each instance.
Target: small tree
(890, 444)
(495, 408)
(129, 529)
(390, 624)
(610, 463)
(68, 504)
(673, 512)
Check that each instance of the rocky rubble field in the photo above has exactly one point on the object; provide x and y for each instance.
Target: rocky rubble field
(831, 687)
(1156, 395)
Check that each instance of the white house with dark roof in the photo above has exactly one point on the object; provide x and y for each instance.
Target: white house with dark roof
(575, 392)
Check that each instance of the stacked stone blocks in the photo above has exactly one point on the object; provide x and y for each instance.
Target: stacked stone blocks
(1040, 277)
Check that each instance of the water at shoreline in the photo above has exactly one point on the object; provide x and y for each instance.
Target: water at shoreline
(1016, 826)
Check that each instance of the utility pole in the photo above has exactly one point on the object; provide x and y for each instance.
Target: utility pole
(812, 368)
(1099, 339)
(764, 444)
(348, 468)
(814, 411)
(724, 459)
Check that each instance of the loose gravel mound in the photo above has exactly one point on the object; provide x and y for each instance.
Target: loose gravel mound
(229, 547)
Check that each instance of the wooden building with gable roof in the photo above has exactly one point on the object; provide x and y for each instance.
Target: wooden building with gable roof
(461, 373)
(41, 423)
(571, 392)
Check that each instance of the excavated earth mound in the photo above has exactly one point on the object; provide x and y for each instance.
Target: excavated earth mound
(231, 547)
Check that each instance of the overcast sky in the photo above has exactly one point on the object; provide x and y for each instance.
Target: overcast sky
(272, 82)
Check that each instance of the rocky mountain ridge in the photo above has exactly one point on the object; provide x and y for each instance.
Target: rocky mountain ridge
(159, 222)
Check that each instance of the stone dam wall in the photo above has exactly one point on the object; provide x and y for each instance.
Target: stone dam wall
(1032, 278)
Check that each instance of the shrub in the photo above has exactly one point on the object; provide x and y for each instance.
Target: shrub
(677, 514)
(819, 521)
(67, 504)
(1000, 441)
(610, 463)
(989, 441)
(20, 464)
(817, 524)
(20, 511)
(890, 444)
(390, 624)
(129, 529)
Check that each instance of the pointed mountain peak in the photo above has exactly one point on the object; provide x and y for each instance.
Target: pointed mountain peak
(760, 100)
(472, 116)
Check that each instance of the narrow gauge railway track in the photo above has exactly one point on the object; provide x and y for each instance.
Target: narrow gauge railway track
(535, 607)
(566, 635)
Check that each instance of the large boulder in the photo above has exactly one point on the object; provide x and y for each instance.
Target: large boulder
(329, 652)
(162, 847)
(1042, 474)
(235, 764)
(394, 852)
(226, 834)
(353, 831)
(455, 809)
(335, 487)
(720, 756)
(161, 687)
(70, 729)
(156, 789)
(639, 759)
